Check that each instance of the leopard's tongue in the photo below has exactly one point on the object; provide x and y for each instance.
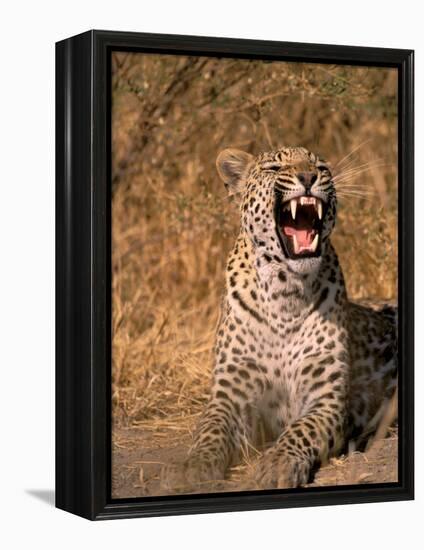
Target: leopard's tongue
(304, 237)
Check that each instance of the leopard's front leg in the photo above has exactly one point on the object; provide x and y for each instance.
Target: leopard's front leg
(317, 433)
(223, 428)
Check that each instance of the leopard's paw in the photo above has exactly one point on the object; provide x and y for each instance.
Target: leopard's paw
(278, 470)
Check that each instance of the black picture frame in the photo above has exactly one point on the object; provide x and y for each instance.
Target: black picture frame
(83, 278)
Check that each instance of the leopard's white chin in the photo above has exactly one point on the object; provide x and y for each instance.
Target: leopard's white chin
(305, 265)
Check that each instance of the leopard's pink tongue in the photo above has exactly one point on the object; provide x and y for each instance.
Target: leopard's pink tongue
(304, 237)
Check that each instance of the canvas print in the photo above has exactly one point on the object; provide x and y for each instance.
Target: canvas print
(254, 275)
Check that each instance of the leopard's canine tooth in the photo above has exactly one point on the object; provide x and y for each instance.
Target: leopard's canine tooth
(319, 209)
(314, 243)
(293, 207)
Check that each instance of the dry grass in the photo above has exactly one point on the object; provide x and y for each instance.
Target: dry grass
(173, 224)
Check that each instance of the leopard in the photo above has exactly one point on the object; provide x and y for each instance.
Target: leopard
(294, 358)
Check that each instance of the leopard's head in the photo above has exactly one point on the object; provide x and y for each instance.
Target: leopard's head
(287, 200)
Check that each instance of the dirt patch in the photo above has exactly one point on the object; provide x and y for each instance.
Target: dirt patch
(378, 465)
(139, 453)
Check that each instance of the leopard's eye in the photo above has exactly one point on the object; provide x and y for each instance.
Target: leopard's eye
(322, 168)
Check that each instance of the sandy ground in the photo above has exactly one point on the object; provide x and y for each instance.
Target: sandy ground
(139, 453)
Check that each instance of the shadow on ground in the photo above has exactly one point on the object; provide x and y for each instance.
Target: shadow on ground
(45, 495)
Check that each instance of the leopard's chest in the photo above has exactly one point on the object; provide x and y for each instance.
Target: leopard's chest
(284, 354)
(284, 345)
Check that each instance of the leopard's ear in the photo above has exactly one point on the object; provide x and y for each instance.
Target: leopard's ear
(232, 166)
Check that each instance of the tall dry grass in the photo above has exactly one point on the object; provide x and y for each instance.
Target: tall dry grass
(173, 224)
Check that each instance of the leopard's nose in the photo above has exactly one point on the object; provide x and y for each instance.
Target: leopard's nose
(307, 179)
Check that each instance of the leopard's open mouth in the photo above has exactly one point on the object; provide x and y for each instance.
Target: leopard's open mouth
(299, 226)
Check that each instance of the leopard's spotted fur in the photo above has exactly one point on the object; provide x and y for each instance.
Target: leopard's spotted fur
(291, 349)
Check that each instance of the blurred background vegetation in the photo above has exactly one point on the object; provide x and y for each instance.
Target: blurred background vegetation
(173, 225)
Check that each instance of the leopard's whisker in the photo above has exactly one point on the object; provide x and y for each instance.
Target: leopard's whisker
(370, 197)
(353, 194)
(351, 182)
(350, 178)
(352, 185)
(361, 168)
(343, 198)
(361, 164)
(353, 189)
(341, 161)
(349, 197)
